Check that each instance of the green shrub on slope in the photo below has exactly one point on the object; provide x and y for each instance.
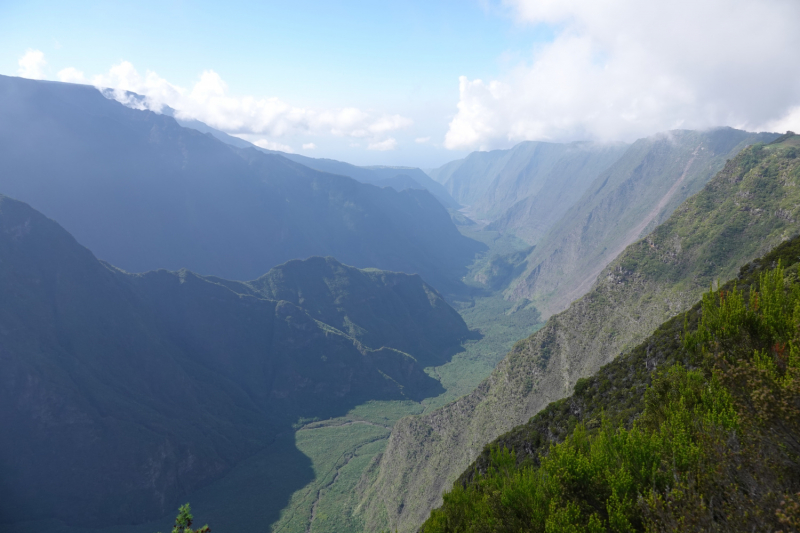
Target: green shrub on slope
(716, 447)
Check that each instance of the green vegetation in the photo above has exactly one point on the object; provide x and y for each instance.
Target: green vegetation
(714, 448)
(501, 324)
(653, 280)
(183, 522)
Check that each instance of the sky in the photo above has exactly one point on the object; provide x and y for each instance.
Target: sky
(420, 83)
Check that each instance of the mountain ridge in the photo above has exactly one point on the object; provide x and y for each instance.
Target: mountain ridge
(156, 384)
(624, 203)
(143, 192)
(748, 208)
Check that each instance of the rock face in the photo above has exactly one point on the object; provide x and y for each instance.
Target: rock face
(142, 192)
(745, 210)
(622, 205)
(120, 393)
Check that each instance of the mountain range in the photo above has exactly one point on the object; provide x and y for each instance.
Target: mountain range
(143, 192)
(278, 402)
(539, 179)
(122, 392)
(622, 204)
(399, 178)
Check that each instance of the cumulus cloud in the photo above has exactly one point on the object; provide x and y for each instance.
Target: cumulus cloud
(422, 140)
(31, 65)
(309, 146)
(71, 75)
(382, 146)
(209, 101)
(621, 69)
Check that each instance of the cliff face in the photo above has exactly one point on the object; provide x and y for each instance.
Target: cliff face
(749, 207)
(623, 204)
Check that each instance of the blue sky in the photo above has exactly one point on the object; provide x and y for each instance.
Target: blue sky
(424, 82)
(391, 57)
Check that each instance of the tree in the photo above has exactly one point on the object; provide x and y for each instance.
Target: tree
(183, 522)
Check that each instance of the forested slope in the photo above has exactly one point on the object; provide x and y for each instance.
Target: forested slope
(748, 208)
(696, 429)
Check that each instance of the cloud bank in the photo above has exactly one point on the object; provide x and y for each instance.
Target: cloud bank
(209, 101)
(622, 69)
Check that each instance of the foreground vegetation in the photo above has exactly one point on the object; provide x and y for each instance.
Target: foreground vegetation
(715, 445)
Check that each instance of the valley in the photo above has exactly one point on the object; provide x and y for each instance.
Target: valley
(300, 344)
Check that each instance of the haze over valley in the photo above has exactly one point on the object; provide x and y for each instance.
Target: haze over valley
(500, 266)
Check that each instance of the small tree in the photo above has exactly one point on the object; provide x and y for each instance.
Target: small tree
(183, 522)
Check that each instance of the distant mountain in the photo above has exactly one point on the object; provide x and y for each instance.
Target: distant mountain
(624, 203)
(399, 178)
(748, 208)
(535, 182)
(143, 192)
(120, 393)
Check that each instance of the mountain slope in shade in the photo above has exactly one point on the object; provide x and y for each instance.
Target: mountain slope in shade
(749, 207)
(623, 204)
(143, 192)
(411, 178)
(122, 393)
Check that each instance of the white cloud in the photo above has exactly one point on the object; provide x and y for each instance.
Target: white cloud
(271, 145)
(422, 140)
(31, 65)
(790, 121)
(309, 146)
(621, 69)
(123, 79)
(382, 146)
(209, 101)
(71, 75)
(390, 123)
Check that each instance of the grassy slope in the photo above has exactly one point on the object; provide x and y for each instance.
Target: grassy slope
(616, 393)
(616, 389)
(748, 208)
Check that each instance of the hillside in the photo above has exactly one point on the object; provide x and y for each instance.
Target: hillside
(624, 203)
(748, 208)
(701, 418)
(154, 385)
(143, 192)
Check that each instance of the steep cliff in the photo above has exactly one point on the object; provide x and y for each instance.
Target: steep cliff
(623, 204)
